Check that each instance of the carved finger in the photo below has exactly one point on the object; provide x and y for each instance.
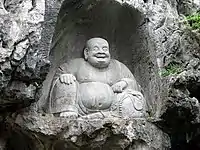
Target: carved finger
(121, 89)
(70, 79)
(63, 114)
(115, 89)
(73, 116)
(118, 90)
(74, 78)
(70, 115)
(67, 79)
(61, 79)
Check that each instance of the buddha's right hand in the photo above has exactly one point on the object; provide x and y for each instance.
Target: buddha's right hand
(67, 78)
(70, 115)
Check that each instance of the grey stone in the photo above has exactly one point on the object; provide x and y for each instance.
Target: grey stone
(20, 92)
(5, 54)
(188, 7)
(20, 36)
(20, 51)
(107, 133)
(161, 39)
(6, 68)
(95, 83)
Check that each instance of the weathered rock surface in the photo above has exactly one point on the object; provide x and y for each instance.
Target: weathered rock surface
(26, 31)
(21, 61)
(106, 133)
(188, 7)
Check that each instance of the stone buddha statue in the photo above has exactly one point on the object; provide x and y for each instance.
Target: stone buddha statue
(95, 83)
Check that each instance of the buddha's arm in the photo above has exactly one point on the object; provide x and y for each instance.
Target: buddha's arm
(128, 77)
(66, 68)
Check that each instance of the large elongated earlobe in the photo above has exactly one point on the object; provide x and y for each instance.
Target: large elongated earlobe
(86, 53)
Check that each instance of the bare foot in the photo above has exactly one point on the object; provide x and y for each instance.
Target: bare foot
(70, 115)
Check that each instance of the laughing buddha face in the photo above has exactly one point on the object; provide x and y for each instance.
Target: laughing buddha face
(97, 52)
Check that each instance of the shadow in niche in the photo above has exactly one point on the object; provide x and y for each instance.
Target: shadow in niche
(194, 89)
(61, 145)
(179, 142)
(19, 141)
(114, 142)
(178, 125)
(194, 144)
(107, 19)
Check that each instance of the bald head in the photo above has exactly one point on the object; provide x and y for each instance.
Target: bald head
(97, 52)
(96, 40)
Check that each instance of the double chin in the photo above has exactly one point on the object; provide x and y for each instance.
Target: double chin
(100, 64)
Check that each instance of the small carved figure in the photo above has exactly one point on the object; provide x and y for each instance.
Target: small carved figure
(95, 83)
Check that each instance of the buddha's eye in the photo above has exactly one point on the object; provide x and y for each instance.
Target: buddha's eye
(105, 48)
(95, 48)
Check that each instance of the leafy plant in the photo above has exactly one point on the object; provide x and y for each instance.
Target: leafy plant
(171, 69)
(193, 20)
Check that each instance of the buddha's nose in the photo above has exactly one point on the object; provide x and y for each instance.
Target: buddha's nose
(101, 50)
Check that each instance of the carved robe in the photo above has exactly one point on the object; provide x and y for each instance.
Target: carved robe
(92, 90)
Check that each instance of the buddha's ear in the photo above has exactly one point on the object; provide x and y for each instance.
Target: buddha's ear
(86, 53)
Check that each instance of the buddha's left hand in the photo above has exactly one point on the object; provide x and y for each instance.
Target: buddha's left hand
(119, 87)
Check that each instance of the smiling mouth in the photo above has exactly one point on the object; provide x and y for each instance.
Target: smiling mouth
(100, 56)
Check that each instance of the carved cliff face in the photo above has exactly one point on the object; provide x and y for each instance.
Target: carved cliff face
(97, 52)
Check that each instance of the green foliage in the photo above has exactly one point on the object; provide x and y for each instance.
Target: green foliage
(193, 20)
(171, 69)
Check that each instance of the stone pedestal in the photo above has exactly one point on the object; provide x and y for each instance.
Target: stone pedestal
(56, 133)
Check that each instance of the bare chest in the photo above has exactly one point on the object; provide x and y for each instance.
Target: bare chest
(88, 73)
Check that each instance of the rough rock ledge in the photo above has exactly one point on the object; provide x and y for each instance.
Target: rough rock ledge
(56, 133)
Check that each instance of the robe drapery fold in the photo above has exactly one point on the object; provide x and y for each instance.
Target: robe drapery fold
(66, 98)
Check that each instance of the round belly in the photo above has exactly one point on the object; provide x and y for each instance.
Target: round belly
(96, 95)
